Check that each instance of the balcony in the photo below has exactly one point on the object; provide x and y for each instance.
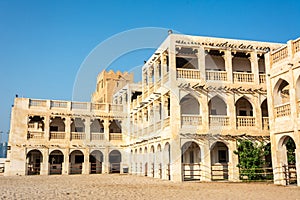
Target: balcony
(216, 75)
(279, 55)
(98, 106)
(57, 135)
(265, 123)
(218, 120)
(77, 135)
(245, 121)
(79, 106)
(115, 136)
(188, 73)
(37, 103)
(191, 120)
(167, 122)
(97, 136)
(35, 134)
(59, 104)
(158, 125)
(282, 110)
(243, 77)
(262, 78)
(296, 45)
(115, 108)
(166, 77)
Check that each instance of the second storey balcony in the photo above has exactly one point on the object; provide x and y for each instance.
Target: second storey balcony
(188, 73)
(191, 120)
(243, 77)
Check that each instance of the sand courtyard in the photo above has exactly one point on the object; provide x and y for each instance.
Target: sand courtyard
(115, 186)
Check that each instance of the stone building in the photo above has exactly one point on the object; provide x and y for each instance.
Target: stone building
(283, 69)
(198, 95)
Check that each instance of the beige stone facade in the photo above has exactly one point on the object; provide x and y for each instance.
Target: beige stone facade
(283, 69)
(197, 97)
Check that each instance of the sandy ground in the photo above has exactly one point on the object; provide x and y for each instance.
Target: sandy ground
(133, 187)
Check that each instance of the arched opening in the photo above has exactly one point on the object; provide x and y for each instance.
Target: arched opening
(115, 130)
(217, 106)
(189, 105)
(36, 127)
(244, 113)
(136, 160)
(281, 92)
(158, 160)
(115, 160)
(298, 88)
(167, 160)
(215, 66)
(56, 159)
(152, 160)
(146, 161)
(190, 111)
(34, 159)
(219, 161)
(186, 58)
(96, 160)
(241, 67)
(140, 160)
(288, 158)
(57, 128)
(265, 115)
(217, 112)
(76, 159)
(77, 129)
(97, 130)
(191, 158)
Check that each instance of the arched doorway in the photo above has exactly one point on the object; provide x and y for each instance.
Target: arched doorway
(244, 113)
(218, 112)
(191, 158)
(288, 158)
(146, 161)
(152, 160)
(56, 158)
(76, 159)
(34, 159)
(115, 160)
(96, 159)
(219, 161)
(167, 160)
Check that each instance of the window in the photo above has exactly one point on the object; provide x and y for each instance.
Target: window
(242, 113)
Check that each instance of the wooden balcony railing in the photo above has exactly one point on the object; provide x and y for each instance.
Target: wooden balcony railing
(243, 121)
(296, 45)
(158, 125)
(279, 54)
(167, 122)
(243, 77)
(98, 106)
(57, 135)
(37, 103)
(282, 110)
(216, 75)
(59, 104)
(191, 120)
(166, 77)
(265, 123)
(218, 120)
(79, 105)
(188, 73)
(77, 135)
(35, 135)
(262, 78)
(115, 136)
(97, 136)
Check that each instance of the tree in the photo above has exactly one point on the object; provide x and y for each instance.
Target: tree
(251, 159)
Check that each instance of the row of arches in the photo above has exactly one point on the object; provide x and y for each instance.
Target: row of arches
(281, 91)
(189, 105)
(34, 161)
(153, 161)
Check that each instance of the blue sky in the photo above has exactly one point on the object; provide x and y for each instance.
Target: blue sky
(43, 43)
